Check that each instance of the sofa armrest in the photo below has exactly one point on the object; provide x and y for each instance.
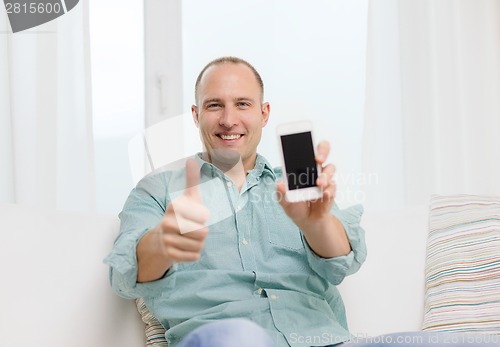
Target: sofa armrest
(55, 287)
(387, 294)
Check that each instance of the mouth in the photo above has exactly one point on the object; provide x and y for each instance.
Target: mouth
(229, 137)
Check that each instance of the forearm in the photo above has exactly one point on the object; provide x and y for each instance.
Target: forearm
(327, 237)
(152, 263)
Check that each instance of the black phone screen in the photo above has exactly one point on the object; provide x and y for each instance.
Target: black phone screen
(300, 165)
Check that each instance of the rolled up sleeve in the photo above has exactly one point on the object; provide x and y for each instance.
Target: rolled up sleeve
(335, 269)
(142, 212)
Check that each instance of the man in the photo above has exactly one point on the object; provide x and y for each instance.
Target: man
(219, 256)
(230, 246)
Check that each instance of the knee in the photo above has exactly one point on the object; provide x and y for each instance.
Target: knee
(228, 333)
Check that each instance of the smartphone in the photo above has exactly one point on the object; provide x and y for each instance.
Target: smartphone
(300, 170)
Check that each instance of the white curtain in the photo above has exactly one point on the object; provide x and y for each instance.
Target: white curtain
(432, 113)
(46, 145)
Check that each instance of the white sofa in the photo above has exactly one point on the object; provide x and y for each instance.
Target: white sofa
(387, 294)
(55, 290)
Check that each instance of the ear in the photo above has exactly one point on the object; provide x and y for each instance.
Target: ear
(266, 109)
(194, 112)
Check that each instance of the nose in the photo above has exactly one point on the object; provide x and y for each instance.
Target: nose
(229, 118)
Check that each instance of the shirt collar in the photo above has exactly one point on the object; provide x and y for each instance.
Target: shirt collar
(261, 167)
(205, 166)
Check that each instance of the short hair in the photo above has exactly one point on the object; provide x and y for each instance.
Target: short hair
(229, 60)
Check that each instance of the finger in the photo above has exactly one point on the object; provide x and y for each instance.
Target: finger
(329, 170)
(322, 151)
(187, 225)
(182, 243)
(329, 193)
(185, 207)
(192, 179)
(175, 224)
(326, 177)
(322, 181)
(182, 256)
(200, 234)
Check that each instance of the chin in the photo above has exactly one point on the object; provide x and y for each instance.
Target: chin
(225, 157)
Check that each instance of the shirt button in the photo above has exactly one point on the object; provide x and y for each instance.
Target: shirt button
(229, 184)
(273, 297)
(259, 291)
(245, 242)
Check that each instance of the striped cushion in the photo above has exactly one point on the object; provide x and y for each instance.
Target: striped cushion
(155, 333)
(463, 265)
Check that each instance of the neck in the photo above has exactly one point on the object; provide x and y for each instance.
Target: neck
(237, 174)
(234, 167)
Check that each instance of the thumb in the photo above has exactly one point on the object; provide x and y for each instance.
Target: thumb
(192, 180)
(280, 193)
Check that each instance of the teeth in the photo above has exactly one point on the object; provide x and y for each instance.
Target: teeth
(230, 137)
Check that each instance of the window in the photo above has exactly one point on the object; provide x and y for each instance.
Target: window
(117, 60)
(311, 56)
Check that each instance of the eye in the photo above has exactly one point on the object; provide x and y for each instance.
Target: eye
(213, 105)
(243, 104)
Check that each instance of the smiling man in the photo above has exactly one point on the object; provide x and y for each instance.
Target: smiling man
(266, 273)
(230, 115)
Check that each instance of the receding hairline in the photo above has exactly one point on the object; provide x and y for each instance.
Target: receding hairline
(229, 60)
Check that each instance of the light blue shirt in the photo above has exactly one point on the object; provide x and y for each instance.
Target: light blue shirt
(256, 264)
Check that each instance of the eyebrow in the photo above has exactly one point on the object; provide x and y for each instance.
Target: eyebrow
(220, 100)
(245, 99)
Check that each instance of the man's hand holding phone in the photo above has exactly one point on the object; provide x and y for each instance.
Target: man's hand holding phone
(308, 191)
(304, 212)
(180, 235)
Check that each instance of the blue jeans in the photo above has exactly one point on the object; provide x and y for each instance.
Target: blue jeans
(244, 333)
(228, 333)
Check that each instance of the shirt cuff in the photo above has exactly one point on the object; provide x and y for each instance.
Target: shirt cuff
(122, 262)
(335, 269)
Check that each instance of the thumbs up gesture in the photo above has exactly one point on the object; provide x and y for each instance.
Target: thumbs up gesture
(180, 235)
(187, 213)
